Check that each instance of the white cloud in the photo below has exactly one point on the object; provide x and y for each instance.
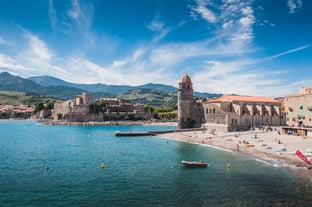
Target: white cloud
(247, 77)
(155, 25)
(294, 5)
(212, 63)
(11, 64)
(80, 17)
(289, 51)
(3, 42)
(206, 14)
(52, 14)
(233, 20)
(228, 25)
(32, 58)
(81, 14)
(235, 77)
(37, 48)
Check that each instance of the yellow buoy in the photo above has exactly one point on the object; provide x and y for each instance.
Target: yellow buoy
(228, 166)
(102, 165)
(47, 167)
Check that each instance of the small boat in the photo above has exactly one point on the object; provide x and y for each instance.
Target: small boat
(194, 163)
(134, 134)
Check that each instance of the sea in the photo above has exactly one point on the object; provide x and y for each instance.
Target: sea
(45, 165)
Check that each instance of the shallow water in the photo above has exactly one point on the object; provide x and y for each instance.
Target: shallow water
(139, 171)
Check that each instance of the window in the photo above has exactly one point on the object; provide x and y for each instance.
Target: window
(214, 110)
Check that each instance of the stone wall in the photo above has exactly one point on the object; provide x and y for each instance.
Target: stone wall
(197, 115)
(82, 117)
(80, 108)
(108, 116)
(238, 117)
(214, 115)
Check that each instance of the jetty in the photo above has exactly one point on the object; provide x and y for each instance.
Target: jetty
(128, 134)
(153, 133)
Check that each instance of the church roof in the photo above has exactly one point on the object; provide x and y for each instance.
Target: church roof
(185, 79)
(232, 98)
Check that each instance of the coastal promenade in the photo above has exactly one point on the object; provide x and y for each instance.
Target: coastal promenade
(269, 147)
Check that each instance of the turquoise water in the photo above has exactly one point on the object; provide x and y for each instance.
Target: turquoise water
(139, 171)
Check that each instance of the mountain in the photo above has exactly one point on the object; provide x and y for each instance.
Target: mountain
(110, 90)
(114, 89)
(52, 81)
(46, 80)
(9, 82)
(149, 94)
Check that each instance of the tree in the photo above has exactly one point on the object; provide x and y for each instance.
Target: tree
(38, 107)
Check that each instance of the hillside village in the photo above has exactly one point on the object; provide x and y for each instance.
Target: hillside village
(17, 112)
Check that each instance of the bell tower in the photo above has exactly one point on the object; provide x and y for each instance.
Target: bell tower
(185, 100)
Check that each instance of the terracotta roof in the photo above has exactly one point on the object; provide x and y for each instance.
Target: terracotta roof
(231, 98)
(185, 79)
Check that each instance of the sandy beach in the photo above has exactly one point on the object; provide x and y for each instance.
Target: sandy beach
(271, 147)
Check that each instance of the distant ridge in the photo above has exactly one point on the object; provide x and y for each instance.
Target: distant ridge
(117, 89)
(9, 82)
(150, 93)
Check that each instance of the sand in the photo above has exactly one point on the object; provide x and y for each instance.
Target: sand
(271, 147)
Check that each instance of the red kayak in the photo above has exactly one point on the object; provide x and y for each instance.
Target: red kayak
(299, 154)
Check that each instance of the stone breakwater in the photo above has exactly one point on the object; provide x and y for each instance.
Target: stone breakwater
(109, 123)
(94, 123)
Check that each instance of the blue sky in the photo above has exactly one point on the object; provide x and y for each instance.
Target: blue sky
(246, 47)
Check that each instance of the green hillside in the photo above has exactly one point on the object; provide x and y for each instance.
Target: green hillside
(150, 97)
(21, 98)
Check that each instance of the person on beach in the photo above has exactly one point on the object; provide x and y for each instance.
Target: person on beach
(237, 147)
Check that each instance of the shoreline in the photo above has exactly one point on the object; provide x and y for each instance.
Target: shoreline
(267, 147)
(106, 123)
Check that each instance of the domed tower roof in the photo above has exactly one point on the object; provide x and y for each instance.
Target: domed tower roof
(185, 79)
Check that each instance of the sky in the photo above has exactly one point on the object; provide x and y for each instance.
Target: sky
(245, 47)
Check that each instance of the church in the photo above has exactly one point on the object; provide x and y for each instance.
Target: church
(226, 113)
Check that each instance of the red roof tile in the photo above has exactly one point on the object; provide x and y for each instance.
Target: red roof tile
(232, 98)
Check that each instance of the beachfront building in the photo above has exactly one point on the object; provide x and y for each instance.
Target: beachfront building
(236, 113)
(228, 112)
(190, 112)
(298, 108)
